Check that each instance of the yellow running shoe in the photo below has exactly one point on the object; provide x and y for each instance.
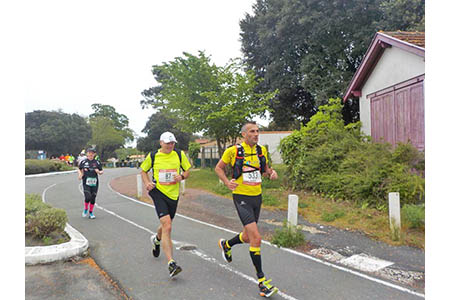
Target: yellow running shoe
(226, 251)
(266, 289)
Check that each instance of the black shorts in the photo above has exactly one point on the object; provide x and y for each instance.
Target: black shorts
(248, 207)
(164, 205)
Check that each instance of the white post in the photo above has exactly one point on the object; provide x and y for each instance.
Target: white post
(139, 185)
(182, 186)
(394, 215)
(292, 210)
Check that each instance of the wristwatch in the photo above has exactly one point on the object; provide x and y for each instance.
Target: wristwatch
(182, 176)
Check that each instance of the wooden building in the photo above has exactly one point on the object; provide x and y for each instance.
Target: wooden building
(390, 86)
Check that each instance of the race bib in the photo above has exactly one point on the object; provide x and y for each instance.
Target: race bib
(167, 176)
(251, 178)
(91, 181)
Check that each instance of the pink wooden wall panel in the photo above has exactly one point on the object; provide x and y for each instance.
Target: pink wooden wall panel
(398, 116)
(418, 116)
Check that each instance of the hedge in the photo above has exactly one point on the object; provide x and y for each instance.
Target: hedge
(36, 166)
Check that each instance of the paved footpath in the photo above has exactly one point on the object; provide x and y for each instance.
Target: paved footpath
(119, 244)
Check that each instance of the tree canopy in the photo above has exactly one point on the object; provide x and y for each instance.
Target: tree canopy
(105, 137)
(408, 15)
(309, 50)
(158, 123)
(207, 98)
(120, 121)
(56, 132)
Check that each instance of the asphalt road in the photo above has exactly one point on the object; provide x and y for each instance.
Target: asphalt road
(119, 241)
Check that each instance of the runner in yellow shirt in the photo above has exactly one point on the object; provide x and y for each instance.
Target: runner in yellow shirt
(170, 166)
(249, 162)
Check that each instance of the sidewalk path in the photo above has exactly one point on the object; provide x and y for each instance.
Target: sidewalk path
(69, 280)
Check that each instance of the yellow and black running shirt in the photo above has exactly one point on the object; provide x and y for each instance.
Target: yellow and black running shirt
(166, 166)
(248, 183)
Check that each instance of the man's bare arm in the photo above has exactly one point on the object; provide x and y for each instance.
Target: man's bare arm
(220, 171)
(149, 185)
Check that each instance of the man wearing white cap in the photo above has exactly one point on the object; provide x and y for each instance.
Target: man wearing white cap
(170, 166)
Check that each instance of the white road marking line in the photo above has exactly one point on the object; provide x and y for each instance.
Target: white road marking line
(195, 252)
(400, 288)
(228, 268)
(45, 191)
(49, 174)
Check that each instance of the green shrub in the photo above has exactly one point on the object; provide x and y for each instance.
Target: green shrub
(328, 157)
(46, 221)
(33, 203)
(405, 154)
(414, 215)
(288, 236)
(36, 166)
(41, 219)
(369, 173)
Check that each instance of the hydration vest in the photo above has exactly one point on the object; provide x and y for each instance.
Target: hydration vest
(239, 162)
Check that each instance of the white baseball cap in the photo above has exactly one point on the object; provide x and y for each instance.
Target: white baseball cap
(168, 137)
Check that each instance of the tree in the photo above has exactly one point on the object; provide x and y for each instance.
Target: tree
(158, 123)
(407, 15)
(105, 137)
(207, 98)
(56, 132)
(310, 49)
(194, 150)
(273, 57)
(120, 121)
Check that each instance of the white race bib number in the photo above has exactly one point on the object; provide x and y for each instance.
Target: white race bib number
(91, 181)
(251, 178)
(167, 176)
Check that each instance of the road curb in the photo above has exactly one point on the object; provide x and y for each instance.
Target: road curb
(46, 254)
(49, 174)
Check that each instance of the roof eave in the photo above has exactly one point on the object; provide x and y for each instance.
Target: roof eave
(380, 42)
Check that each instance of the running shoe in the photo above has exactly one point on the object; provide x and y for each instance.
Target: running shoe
(156, 246)
(84, 214)
(266, 289)
(226, 251)
(91, 215)
(174, 269)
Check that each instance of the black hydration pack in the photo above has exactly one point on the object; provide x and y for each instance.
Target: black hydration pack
(153, 154)
(239, 163)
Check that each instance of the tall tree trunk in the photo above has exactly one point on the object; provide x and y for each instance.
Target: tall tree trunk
(219, 147)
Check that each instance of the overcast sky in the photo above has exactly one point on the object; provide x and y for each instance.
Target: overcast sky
(85, 52)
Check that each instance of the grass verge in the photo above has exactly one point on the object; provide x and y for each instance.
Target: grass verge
(318, 209)
(51, 239)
